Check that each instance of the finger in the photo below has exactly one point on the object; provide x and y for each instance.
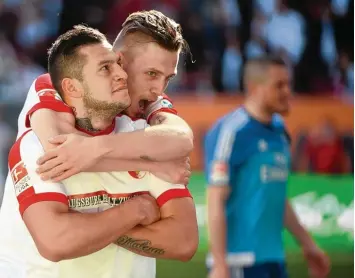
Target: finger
(65, 175)
(55, 171)
(47, 166)
(47, 156)
(59, 139)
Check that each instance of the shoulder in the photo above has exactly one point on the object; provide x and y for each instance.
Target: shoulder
(43, 82)
(231, 125)
(125, 123)
(42, 87)
(27, 148)
(236, 120)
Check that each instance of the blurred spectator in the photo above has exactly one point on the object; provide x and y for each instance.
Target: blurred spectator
(340, 7)
(192, 27)
(8, 68)
(204, 85)
(323, 151)
(328, 46)
(6, 138)
(171, 8)
(256, 45)
(232, 64)
(267, 7)
(231, 13)
(344, 76)
(286, 31)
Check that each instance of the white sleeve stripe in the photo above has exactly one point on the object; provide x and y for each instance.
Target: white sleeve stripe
(45, 90)
(227, 135)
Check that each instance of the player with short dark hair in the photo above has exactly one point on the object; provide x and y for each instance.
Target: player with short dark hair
(247, 160)
(64, 58)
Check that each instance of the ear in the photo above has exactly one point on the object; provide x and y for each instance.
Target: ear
(72, 88)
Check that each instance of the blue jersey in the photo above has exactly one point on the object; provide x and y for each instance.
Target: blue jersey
(253, 159)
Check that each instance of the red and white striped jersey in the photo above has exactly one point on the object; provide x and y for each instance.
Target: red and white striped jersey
(18, 254)
(84, 192)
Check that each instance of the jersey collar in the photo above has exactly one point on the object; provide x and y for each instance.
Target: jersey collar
(105, 131)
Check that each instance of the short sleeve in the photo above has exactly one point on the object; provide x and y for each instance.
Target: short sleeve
(29, 187)
(224, 149)
(163, 104)
(164, 191)
(43, 95)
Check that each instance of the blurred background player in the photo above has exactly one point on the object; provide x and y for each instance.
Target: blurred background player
(50, 204)
(247, 155)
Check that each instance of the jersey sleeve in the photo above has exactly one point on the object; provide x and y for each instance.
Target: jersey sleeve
(167, 105)
(163, 104)
(163, 191)
(29, 187)
(43, 95)
(224, 150)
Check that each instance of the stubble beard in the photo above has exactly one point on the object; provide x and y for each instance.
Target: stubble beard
(101, 110)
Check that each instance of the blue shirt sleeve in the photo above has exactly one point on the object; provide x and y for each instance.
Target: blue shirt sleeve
(224, 150)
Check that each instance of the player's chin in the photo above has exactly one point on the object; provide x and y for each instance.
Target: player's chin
(285, 110)
(133, 112)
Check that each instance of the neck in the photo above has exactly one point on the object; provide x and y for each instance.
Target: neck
(90, 120)
(257, 111)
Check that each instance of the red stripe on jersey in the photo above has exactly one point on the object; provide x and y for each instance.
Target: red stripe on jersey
(167, 110)
(52, 104)
(44, 82)
(165, 96)
(173, 194)
(102, 192)
(24, 190)
(26, 194)
(106, 131)
(14, 154)
(42, 197)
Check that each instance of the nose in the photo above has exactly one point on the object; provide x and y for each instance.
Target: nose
(120, 73)
(159, 89)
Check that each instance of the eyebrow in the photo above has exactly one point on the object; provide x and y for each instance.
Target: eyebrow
(160, 72)
(107, 61)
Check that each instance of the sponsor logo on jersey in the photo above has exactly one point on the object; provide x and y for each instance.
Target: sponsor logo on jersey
(166, 103)
(137, 174)
(262, 145)
(20, 178)
(219, 172)
(99, 198)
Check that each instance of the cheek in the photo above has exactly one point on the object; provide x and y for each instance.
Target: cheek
(102, 90)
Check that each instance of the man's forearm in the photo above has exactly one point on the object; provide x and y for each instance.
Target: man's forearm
(70, 235)
(164, 118)
(48, 123)
(217, 226)
(111, 165)
(167, 238)
(294, 226)
(156, 143)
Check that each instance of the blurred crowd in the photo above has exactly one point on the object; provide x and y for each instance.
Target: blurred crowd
(314, 37)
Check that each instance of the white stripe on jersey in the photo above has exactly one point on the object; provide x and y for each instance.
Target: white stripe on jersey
(225, 141)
